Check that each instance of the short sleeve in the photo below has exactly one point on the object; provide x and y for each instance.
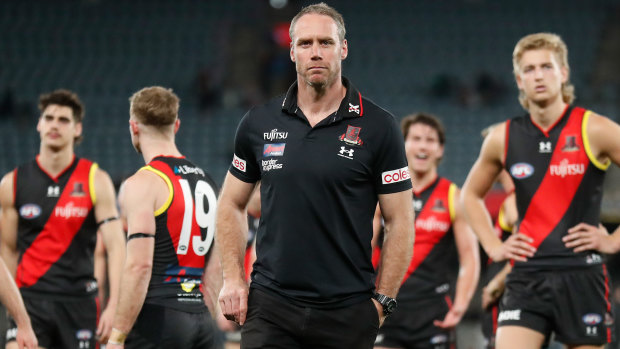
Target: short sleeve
(391, 170)
(244, 165)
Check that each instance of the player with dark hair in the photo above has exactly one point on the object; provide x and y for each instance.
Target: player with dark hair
(428, 316)
(52, 208)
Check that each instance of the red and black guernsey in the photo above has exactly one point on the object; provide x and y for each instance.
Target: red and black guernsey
(57, 231)
(558, 184)
(434, 250)
(185, 227)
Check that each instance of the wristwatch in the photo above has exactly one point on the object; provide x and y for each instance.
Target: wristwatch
(388, 303)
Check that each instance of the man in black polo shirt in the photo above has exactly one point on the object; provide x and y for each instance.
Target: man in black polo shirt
(324, 156)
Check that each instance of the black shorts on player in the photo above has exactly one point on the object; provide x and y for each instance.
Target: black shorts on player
(163, 327)
(274, 322)
(63, 323)
(411, 327)
(574, 304)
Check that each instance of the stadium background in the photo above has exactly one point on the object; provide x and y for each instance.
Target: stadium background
(451, 58)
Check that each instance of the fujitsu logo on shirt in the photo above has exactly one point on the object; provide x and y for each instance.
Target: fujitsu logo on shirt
(432, 224)
(567, 169)
(71, 211)
(274, 134)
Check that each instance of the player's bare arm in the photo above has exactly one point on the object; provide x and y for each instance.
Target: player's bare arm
(231, 227)
(397, 211)
(8, 224)
(604, 139)
(469, 268)
(141, 196)
(212, 281)
(12, 300)
(106, 214)
(495, 288)
(479, 181)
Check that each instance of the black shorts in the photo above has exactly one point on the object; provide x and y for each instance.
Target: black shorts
(273, 322)
(162, 327)
(572, 303)
(65, 324)
(489, 325)
(411, 325)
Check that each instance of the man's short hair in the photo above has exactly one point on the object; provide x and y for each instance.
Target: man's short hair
(155, 106)
(320, 9)
(64, 98)
(548, 41)
(425, 119)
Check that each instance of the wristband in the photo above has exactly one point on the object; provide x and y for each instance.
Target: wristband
(117, 337)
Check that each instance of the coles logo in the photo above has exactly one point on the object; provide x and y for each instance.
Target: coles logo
(30, 211)
(394, 176)
(238, 163)
(521, 170)
(592, 319)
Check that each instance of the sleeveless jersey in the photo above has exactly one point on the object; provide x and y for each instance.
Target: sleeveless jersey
(185, 227)
(558, 184)
(434, 250)
(56, 232)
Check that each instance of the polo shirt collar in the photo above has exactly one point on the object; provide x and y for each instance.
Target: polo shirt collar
(350, 107)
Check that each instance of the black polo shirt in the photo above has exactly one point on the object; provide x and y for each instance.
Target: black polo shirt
(319, 190)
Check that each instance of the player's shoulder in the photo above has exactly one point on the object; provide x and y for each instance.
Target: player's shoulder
(141, 182)
(267, 109)
(7, 185)
(596, 119)
(375, 112)
(447, 182)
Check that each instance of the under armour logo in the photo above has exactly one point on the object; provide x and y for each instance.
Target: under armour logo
(354, 108)
(346, 153)
(53, 191)
(544, 147)
(417, 205)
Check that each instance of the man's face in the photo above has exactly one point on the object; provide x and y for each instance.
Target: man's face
(423, 148)
(316, 50)
(541, 76)
(57, 127)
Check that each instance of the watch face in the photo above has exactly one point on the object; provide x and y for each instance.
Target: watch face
(389, 306)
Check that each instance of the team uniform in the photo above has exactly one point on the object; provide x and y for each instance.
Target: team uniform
(174, 314)
(424, 295)
(56, 238)
(489, 316)
(313, 279)
(558, 184)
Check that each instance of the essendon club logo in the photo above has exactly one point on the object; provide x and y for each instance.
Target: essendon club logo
(439, 206)
(352, 136)
(570, 144)
(78, 189)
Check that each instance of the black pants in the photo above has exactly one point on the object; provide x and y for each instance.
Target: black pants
(275, 323)
(162, 327)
